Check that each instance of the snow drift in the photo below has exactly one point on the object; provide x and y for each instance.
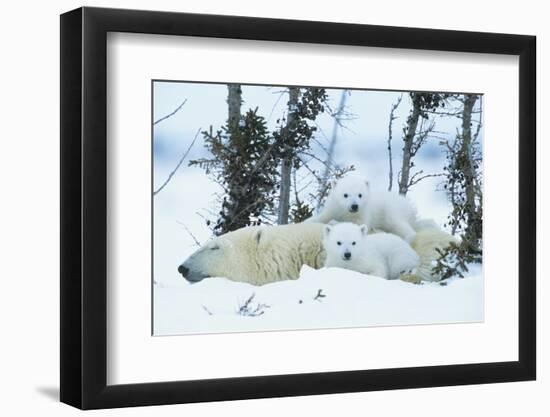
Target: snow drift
(319, 299)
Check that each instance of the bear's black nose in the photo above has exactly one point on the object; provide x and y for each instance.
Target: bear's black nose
(183, 270)
(347, 255)
(354, 207)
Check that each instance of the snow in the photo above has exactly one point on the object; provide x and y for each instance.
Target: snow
(350, 299)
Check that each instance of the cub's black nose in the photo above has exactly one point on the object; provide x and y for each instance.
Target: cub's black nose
(354, 207)
(347, 255)
(183, 270)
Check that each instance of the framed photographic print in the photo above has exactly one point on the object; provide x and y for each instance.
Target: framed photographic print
(257, 208)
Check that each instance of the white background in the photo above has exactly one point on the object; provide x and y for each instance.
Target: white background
(134, 357)
(29, 214)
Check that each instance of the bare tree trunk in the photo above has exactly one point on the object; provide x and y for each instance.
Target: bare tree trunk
(390, 157)
(466, 152)
(477, 179)
(284, 197)
(412, 124)
(286, 164)
(234, 101)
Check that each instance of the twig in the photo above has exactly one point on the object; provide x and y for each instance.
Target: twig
(275, 104)
(333, 139)
(323, 147)
(320, 295)
(305, 187)
(171, 114)
(392, 118)
(421, 137)
(315, 157)
(417, 177)
(479, 123)
(320, 130)
(178, 165)
(295, 187)
(190, 234)
(306, 166)
(246, 309)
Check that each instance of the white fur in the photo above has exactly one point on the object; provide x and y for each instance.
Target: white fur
(258, 254)
(353, 200)
(263, 254)
(385, 255)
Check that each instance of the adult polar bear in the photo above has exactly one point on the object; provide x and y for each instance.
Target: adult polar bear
(352, 200)
(258, 254)
(263, 254)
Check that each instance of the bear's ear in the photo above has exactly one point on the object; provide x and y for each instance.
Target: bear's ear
(364, 229)
(327, 230)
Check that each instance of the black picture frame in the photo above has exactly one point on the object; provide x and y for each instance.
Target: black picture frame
(84, 207)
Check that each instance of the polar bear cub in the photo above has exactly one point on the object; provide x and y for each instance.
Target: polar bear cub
(385, 255)
(352, 200)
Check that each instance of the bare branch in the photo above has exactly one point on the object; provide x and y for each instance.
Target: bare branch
(247, 308)
(296, 196)
(320, 130)
(171, 114)
(190, 234)
(306, 186)
(325, 163)
(336, 115)
(314, 139)
(206, 220)
(178, 165)
(281, 93)
(421, 137)
(479, 123)
(306, 166)
(417, 177)
(319, 296)
(390, 158)
(456, 113)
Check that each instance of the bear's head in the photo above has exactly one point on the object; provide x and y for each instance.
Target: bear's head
(350, 193)
(224, 256)
(343, 242)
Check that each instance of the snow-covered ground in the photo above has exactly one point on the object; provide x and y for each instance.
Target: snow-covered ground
(348, 299)
(351, 299)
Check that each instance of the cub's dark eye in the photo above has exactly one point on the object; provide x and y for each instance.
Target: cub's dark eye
(338, 243)
(345, 196)
(353, 243)
(360, 195)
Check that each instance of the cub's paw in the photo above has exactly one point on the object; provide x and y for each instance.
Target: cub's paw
(411, 271)
(410, 277)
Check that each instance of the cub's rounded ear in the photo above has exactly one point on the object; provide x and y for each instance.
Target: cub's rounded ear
(367, 183)
(364, 229)
(327, 230)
